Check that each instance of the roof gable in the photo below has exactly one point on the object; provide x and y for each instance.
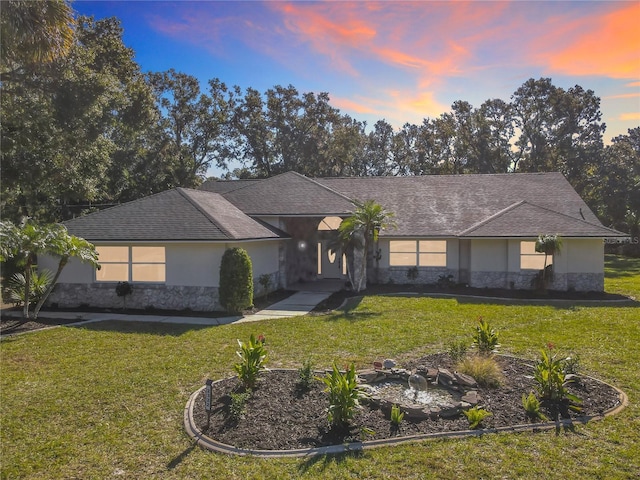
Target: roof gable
(173, 215)
(289, 194)
(524, 219)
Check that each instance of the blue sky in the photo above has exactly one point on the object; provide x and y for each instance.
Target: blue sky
(399, 61)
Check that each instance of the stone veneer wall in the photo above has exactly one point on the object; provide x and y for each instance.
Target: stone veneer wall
(579, 282)
(301, 250)
(399, 275)
(166, 297)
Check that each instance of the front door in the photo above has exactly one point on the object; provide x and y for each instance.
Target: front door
(330, 264)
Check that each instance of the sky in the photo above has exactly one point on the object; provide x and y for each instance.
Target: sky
(394, 60)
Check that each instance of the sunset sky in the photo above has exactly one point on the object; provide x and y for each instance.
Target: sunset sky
(401, 61)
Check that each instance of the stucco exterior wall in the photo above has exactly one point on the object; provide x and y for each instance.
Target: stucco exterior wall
(192, 279)
(496, 264)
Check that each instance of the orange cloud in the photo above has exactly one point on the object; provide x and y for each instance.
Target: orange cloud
(630, 116)
(624, 95)
(608, 46)
(633, 84)
(352, 106)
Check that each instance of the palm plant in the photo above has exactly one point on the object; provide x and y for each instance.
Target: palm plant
(357, 232)
(35, 32)
(67, 246)
(549, 245)
(25, 242)
(15, 288)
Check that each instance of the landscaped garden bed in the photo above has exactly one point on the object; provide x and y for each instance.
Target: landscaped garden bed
(283, 413)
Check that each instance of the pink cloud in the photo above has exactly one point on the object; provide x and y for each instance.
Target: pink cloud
(598, 44)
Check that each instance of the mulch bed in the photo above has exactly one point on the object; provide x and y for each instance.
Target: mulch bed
(279, 415)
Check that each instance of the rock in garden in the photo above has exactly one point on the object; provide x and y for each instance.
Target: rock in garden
(471, 397)
(389, 363)
(465, 380)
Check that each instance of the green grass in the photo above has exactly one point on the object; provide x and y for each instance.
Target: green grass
(106, 401)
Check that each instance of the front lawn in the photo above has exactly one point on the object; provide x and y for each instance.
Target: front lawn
(106, 400)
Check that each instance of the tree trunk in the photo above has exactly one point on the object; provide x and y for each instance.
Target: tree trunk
(360, 262)
(61, 265)
(27, 288)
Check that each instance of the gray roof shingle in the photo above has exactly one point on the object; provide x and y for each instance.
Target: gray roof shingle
(447, 205)
(178, 214)
(500, 205)
(289, 194)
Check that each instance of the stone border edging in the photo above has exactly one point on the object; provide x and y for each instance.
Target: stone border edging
(210, 444)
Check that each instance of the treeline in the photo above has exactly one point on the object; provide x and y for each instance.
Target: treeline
(87, 129)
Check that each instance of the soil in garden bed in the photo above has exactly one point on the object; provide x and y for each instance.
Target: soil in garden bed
(279, 415)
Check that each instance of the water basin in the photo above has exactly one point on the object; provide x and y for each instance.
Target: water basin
(402, 394)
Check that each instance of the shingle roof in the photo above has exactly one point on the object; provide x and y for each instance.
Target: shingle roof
(524, 219)
(502, 205)
(224, 186)
(178, 214)
(447, 205)
(289, 194)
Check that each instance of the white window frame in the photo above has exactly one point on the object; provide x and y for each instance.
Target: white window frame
(131, 264)
(421, 248)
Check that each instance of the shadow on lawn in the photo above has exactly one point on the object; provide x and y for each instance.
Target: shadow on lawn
(325, 460)
(178, 460)
(126, 326)
(619, 302)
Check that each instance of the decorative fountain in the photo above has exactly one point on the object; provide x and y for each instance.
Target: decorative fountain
(425, 393)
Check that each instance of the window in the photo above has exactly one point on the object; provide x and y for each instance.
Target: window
(530, 259)
(423, 253)
(131, 264)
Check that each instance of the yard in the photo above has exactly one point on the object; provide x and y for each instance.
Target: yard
(106, 400)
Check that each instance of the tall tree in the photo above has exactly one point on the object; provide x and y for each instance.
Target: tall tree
(560, 130)
(196, 125)
(33, 33)
(61, 130)
(617, 185)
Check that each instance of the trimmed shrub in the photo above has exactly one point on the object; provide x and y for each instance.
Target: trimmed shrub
(236, 280)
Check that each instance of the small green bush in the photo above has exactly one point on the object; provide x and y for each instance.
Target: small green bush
(475, 416)
(344, 395)
(238, 404)
(485, 338)
(305, 374)
(253, 356)
(265, 282)
(551, 380)
(457, 350)
(396, 415)
(236, 280)
(485, 370)
(531, 405)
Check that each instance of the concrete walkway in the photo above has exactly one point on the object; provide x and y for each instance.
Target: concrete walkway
(300, 303)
